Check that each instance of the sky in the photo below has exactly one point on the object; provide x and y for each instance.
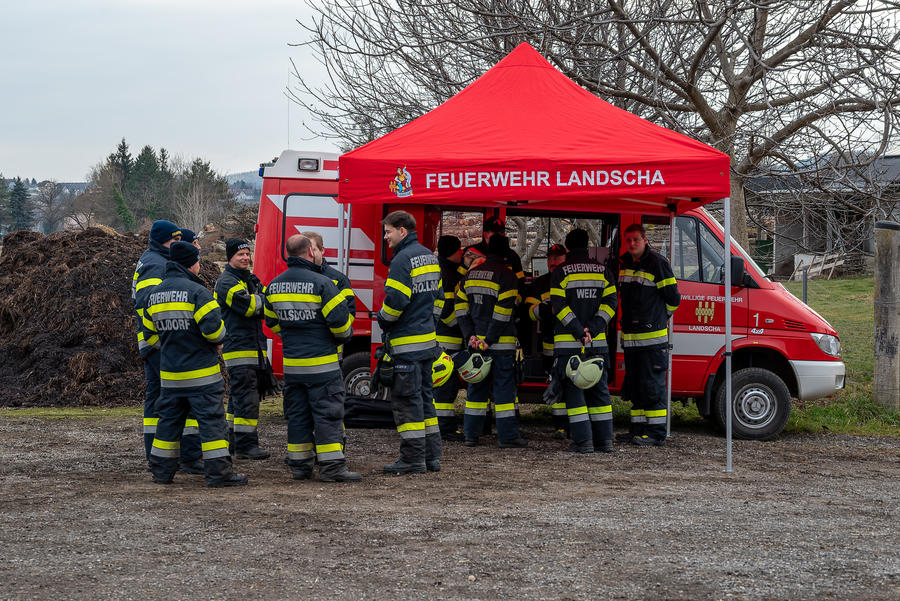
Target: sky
(201, 78)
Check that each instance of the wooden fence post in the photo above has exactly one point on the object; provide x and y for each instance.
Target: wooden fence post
(886, 390)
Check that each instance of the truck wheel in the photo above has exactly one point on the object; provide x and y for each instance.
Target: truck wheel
(761, 405)
(358, 375)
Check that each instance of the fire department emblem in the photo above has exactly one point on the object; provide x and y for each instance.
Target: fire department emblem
(705, 311)
(401, 185)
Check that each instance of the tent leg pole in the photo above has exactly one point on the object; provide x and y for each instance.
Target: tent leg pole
(671, 334)
(729, 398)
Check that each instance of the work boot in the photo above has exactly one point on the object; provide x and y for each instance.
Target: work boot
(301, 474)
(254, 453)
(624, 437)
(583, 447)
(433, 466)
(342, 475)
(402, 467)
(560, 434)
(229, 480)
(471, 442)
(194, 468)
(455, 436)
(647, 441)
(605, 446)
(161, 480)
(515, 443)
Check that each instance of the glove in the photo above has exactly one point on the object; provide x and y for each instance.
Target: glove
(553, 392)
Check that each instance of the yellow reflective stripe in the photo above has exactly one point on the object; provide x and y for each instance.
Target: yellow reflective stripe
(413, 339)
(602, 409)
(191, 423)
(152, 340)
(531, 300)
(190, 375)
(148, 323)
(287, 297)
(411, 426)
(645, 335)
(607, 309)
(443, 406)
(299, 446)
(504, 407)
(154, 309)
(449, 339)
(151, 421)
(637, 412)
(557, 292)
(577, 410)
(307, 361)
(671, 308)
(425, 269)
(243, 421)
(609, 290)
(242, 354)
(212, 445)
(581, 277)
(269, 313)
(484, 284)
(563, 338)
(202, 311)
(562, 314)
(476, 404)
(275, 329)
(503, 310)
(346, 293)
(448, 295)
(655, 412)
(166, 444)
(665, 282)
(252, 308)
(329, 448)
(507, 339)
(399, 287)
(343, 328)
(215, 335)
(230, 296)
(431, 421)
(148, 282)
(638, 274)
(336, 300)
(390, 310)
(507, 294)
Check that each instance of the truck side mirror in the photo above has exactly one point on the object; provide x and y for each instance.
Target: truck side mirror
(737, 272)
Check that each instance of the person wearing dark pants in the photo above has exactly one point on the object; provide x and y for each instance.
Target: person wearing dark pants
(184, 319)
(449, 336)
(650, 295)
(241, 296)
(305, 308)
(485, 307)
(148, 274)
(413, 298)
(584, 300)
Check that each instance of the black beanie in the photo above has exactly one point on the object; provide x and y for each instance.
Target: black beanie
(447, 245)
(577, 239)
(187, 235)
(184, 253)
(232, 245)
(498, 245)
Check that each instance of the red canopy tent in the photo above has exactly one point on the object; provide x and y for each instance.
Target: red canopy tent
(523, 131)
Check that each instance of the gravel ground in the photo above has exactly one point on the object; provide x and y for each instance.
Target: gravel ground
(804, 517)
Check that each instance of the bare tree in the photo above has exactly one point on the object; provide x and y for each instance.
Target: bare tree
(51, 205)
(202, 194)
(783, 86)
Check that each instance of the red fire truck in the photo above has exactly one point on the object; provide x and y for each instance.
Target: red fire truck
(782, 348)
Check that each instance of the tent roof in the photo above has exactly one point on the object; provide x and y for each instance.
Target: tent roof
(524, 132)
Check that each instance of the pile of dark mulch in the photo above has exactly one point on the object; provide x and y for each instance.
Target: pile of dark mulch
(67, 324)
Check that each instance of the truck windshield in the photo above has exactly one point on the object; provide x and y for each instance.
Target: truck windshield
(697, 253)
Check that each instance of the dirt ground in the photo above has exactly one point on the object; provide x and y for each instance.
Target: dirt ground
(804, 517)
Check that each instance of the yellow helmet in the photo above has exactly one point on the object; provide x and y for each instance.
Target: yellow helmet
(441, 370)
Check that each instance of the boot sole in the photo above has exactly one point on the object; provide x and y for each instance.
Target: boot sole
(227, 484)
(339, 480)
(252, 458)
(409, 471)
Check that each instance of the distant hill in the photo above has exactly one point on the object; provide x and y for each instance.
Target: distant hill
(251, 178)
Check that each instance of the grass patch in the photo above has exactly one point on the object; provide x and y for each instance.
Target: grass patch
(71, 412)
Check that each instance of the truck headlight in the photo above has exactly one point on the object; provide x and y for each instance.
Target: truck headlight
(829, 344)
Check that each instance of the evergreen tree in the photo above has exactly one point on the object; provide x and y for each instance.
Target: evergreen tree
(121, 158)
(4, 204)
(20, 207)
(141, 185)
(124, 213)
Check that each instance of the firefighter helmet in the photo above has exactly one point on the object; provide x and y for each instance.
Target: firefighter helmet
(584, 374)
(476, 368)
(441, 370)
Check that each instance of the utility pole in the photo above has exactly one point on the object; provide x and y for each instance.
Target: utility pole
(886, 391)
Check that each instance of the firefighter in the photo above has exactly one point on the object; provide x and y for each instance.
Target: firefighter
(340, 280)
(649, 296)
(184, 319)
(241, 296)
(449, 336)
(149, 273)
(493, 226)
(584, 301)
(189, 236)
(484, 307)
(413, 299)
(305, 308)
(540, 311)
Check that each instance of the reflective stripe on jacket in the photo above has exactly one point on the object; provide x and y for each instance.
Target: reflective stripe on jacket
(649, 294)
(241, 298)
(148, 274)
(485, 303)
(582, 297)
(449, 335)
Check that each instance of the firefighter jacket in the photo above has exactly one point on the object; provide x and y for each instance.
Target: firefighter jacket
(343, 285)
(449, 335)
(485, 303)
(305, 308)
(241, 297)
(510, 258)
(413, 298)
(184, 321)
(539, 309)
(582, 297)
(149, 273)
(649, 295)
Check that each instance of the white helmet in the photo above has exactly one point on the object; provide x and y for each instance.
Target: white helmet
(584, 374)
(476, 368)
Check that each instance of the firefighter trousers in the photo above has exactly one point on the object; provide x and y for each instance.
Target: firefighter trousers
(444, 399)
(314, 409)
(501, 385)
(645, 383)
(558, 409)
(589, 410)
(190, 439)
(412, 402)
(173, 407)
(243, 406)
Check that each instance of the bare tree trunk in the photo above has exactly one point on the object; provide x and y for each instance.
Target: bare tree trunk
(739, 213)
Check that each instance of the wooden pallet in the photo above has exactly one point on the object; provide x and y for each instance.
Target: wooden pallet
(818, 266)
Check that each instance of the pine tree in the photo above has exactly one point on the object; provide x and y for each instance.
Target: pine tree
(4, 204)
(20, 207)
(140, 188)
(123, 211)
(121, 158)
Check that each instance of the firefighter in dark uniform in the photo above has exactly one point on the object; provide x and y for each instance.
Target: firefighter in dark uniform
(241, 297)
(484, 307)
(649, 296)
(493, 226)
(340, 280)
(449, 336)
(413, 299)
(149, 273)
(540, 311)
(304, 307)
(184, 319)
(584, 300)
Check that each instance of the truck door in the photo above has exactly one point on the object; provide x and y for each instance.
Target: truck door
(699, 322)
